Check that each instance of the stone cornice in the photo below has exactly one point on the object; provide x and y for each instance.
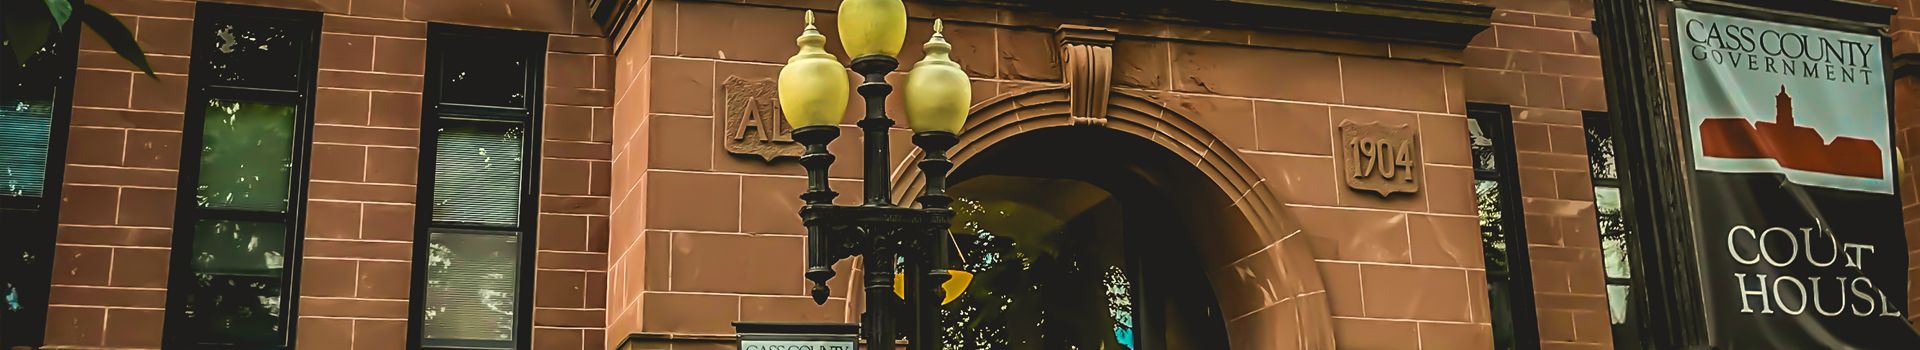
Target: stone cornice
(1447, 23)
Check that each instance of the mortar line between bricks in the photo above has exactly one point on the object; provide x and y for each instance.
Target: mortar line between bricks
(97, 166)
(1382, 210)
(110, 273)
(150, 289)
(1443, 267)
(109, 307)
(1404, 320)
(113, 226)
(123, 129)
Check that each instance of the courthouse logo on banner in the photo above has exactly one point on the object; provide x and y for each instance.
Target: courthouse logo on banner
(1796, 213)
(1772, 98)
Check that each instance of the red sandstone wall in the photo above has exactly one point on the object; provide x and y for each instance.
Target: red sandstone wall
(115, 229)
(703, 238)
(1906, 115)
(1542, 58)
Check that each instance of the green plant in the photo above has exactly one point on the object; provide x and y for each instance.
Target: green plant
(30, 23)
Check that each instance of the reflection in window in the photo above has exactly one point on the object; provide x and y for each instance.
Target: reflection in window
(1615, 238)
(242, 153)
(1502, 237)
(477, 175)
(471, 286)
(25, 130)
(1493, 236)
(1049, 264)
(484, 79)
(479, 134)
(1482, 146)
(246, 155)
(235, 54)
(238, 268)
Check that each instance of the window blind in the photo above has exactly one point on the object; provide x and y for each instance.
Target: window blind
(472, 286)
(25, 126)
(477, 175)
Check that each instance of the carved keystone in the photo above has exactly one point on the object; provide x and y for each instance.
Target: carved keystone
(1088, 56)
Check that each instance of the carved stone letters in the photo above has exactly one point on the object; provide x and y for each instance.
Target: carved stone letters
(1381, 158)
(754, 123)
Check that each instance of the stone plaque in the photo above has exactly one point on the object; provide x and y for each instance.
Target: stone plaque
(754, 123)
(1381, 158)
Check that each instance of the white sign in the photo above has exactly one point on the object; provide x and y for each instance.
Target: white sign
(795, 345)
(1764, 97)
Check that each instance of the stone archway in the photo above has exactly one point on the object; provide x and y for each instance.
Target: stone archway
(1263, 273)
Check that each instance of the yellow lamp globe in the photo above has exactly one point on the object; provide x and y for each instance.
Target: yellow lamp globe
(872, 27)
(937, 92)
(813, 84)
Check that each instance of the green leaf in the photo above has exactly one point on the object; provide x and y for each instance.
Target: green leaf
(26, 33)
(61, 10)
(115, 34)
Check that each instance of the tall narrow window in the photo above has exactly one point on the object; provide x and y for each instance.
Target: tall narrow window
(478, 200)
(237, 230)
(34, 100)
(1615, 239)
(1496, 185)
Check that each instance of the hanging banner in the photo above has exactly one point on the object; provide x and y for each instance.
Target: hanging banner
(1798, 218)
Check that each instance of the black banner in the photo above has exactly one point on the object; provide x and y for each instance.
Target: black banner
(1797, 220)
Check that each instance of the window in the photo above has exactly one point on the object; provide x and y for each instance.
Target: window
(1503, 238)
(1615, 238)
(237, 230)
(34, 104)
(482, 101)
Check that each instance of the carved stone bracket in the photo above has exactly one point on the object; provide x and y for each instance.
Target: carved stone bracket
(1088, 56)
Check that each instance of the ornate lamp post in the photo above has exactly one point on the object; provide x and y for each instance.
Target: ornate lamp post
(813, 94)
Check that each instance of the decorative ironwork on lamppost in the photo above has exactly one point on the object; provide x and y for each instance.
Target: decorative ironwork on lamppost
(813, 95)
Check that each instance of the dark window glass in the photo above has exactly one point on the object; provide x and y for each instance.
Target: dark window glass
(25, 131)
(484, 78)
(471, 287)
(478, 173)
(40, 76)
(246, 155)
(1502, 235)
(1600, 149)
(34, 108)
(238, 269)
(252, 54)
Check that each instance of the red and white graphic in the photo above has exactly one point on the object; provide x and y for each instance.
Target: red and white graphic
(1793, 146)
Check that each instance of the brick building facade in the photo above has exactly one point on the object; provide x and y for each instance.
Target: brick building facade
(649, 234)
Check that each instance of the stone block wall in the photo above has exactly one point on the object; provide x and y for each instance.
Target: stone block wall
(116, 225)
(703, 238)
(1541, 58)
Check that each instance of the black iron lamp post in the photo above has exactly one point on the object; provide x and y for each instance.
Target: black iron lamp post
(813, 95)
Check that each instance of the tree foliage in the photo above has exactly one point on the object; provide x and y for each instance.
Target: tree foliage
(29, 24)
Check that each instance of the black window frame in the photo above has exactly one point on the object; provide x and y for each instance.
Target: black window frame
(187, 213)
(39, 217)
(1522, 325)
(435, 114)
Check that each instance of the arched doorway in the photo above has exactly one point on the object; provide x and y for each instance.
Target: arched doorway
(1077, 248)
(1260, 269)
